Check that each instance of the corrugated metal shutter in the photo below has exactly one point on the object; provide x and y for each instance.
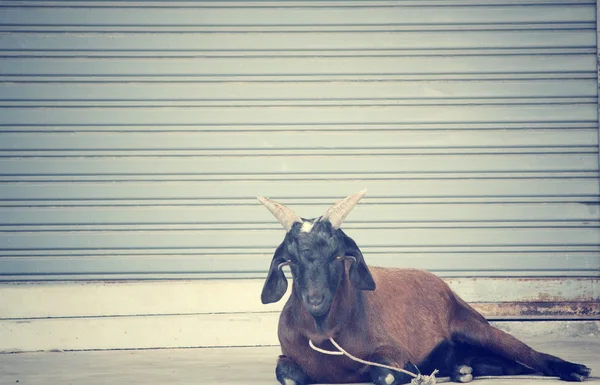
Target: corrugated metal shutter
(136, 135)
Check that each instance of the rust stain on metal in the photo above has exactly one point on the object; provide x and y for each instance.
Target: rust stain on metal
(561, 309)
(542, 284)
(547, 297)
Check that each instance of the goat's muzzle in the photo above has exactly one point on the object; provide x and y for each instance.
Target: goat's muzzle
(317, 304)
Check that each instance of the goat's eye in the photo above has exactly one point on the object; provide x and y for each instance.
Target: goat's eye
(340, 258)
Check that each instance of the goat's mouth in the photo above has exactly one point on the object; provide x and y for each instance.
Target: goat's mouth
(318, 310)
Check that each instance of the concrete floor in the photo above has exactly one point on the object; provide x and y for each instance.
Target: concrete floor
(248, 366)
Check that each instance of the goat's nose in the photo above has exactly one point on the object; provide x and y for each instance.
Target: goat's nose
(315, 299)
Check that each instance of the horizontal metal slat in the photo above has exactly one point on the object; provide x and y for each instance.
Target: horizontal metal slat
(310, 13)
(369, 41)
(166, 54)
(310, 164)
(539, 310)
(564, 189)
(169, 143)
(268, 129)
(464, 177)
(131, 227)
(277, 29)
(588, 200)
(287, 4)
(259, 116)
(305, 78)
(346, 103)
(250, 215)
(449, 251)
(269, 67)
(289, 91)
(158, 239)
(125, 154)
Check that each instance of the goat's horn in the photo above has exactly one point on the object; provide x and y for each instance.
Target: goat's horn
(284, 215)
(338, 212)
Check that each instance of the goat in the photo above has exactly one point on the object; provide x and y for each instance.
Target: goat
(412, 318)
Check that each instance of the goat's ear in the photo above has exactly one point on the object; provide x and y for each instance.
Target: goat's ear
(276, 283)
(360, 276)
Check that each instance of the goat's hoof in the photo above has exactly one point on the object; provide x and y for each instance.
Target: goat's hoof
(569, 371)
(462, 373)
(289, 373)
(385, 379)
(389, 379)
(381, 376)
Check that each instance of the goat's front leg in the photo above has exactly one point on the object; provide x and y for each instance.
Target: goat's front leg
(390, 357)
(289, 372)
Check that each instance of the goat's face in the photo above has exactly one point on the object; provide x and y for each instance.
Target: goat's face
(315, 258)
(315, 250)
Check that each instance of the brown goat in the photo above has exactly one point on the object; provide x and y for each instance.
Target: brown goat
(412, 321)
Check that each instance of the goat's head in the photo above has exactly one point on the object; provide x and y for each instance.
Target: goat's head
(315, 249)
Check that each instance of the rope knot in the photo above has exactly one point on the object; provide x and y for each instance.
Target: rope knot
(424, 380)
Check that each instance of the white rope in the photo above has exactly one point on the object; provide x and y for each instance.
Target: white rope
(338, 347)
(342, 352)
(418, 379)
(329, 352)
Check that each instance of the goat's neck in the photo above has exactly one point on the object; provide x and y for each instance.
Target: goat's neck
(346, 314)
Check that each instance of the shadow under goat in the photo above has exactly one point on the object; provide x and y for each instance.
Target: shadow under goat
(405, 318)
